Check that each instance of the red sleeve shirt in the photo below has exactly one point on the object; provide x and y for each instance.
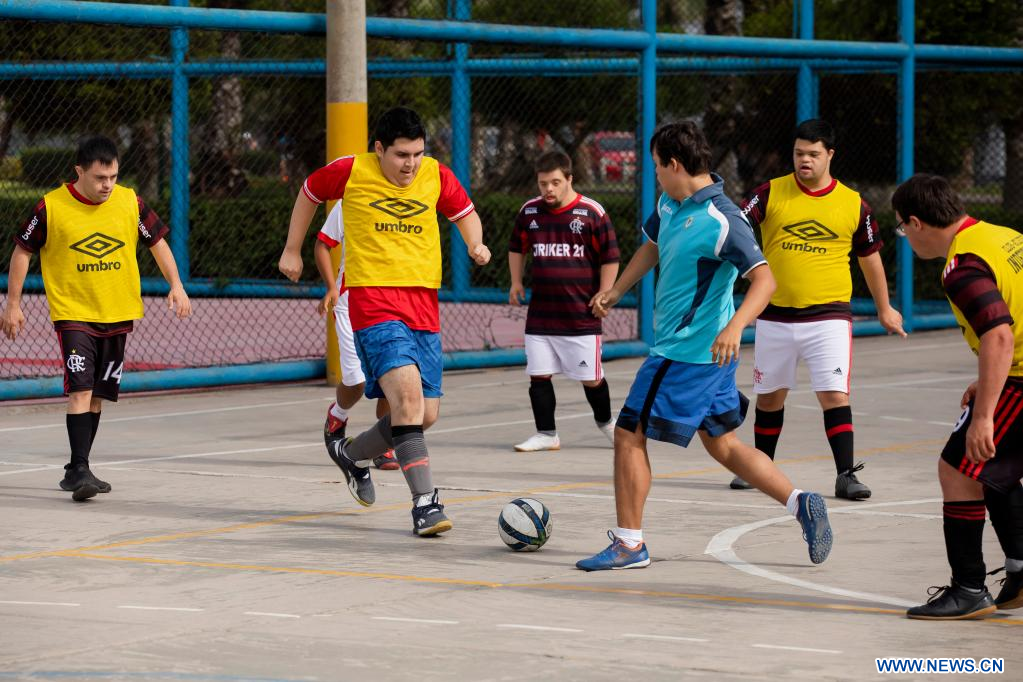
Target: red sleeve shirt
(755, 208)
(453, 203)
(328, 183)
(866, 239)
(972, 288)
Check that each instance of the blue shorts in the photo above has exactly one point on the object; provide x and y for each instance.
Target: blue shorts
(673, 399)
(391, 344)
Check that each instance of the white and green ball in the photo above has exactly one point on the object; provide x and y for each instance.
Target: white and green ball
(525, 524)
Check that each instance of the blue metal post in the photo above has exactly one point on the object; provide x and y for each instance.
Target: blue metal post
(461, 132)
(647, 122)
(806, 79)
(907, 93)
(179, 201)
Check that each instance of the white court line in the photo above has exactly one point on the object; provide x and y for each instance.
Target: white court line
(41, 603)
(797, 648)
(667, 638)
(161, 415)
(721, 548)
(542, 628)
(428, 621)
(157, 608)
(897, 419)
(271, 615)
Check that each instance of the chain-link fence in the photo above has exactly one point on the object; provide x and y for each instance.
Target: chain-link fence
(255, 121)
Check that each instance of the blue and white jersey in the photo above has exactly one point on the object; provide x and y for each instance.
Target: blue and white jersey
(703, 243)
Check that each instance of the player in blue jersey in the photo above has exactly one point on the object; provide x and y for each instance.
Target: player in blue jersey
(701, 242)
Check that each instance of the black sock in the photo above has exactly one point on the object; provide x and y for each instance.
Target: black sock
(1006, 512)
(839, 429)
(767, 430)
(964, 533)
(541, 397)
(599, 398)
(95, 427)
(414, 459)
(79, 435)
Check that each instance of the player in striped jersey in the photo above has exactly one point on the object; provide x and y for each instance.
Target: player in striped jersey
(982, 463)
(575, 255)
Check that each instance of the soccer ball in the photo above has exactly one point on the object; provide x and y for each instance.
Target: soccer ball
(525, 524)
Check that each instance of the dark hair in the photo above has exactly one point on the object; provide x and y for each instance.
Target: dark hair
(97, 148)
(552, 161)
(684, 142)
(815, 130)
(930, 198)
(398, 122)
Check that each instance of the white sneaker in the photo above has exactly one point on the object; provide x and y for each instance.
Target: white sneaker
(608, 430)
(538, 442)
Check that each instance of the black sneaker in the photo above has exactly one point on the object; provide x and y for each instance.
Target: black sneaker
(1009, 596)
(333, 430)
(739, 483)
(430, 519)
(849, 487)
(953, 602)
(360, 485)
(80, 482)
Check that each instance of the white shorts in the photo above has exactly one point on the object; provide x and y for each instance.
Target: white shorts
(351, 367)
(577, 357)
(825, 346)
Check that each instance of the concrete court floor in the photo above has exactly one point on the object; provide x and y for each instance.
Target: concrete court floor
(228, 550)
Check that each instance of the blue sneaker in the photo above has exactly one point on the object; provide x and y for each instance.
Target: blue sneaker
(617, 556)
(813, 517)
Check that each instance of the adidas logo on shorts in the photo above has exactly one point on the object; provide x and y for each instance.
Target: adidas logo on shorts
(583, 364)
(838, 371)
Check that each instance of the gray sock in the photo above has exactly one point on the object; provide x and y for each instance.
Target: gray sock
(413, 458)
(373, 442)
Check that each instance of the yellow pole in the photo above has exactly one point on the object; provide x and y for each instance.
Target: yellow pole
(347, 117)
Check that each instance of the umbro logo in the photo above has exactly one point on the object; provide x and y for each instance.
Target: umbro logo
(838, 371)
(810, 231)
(97, 245)
(402, 209)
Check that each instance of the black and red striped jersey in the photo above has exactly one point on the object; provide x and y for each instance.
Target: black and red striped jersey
(568, 245)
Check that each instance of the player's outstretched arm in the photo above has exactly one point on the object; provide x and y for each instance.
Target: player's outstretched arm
(873, 273)
(321, 254)
(725, 348)
(177, 299)
(642, 262)
(471, 230)
(517, 292)
(993, 362)
(13, 318)
(302, 214)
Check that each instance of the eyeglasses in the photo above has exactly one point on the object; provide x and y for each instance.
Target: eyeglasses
(900, 228)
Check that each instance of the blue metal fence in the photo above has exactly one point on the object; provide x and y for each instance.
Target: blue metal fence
(655, 54)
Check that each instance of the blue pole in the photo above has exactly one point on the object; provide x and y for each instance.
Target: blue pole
(806, 79)
(647, 122)
(461, 107)
(907, 91)
(179, 201)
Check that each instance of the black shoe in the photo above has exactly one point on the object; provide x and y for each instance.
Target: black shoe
(333, 431)
(360, 485)
(430, 519)
(1009, 596)
(953, 602)
(739, 483)
(849, 487)
(81, 483)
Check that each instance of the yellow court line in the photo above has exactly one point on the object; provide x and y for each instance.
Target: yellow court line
(185, 535)
(551, 587)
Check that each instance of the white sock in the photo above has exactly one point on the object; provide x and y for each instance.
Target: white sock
(793, 504)
(632, 537)
(339, 412)
(1013, 565)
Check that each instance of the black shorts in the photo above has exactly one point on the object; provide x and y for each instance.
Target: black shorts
(92, 363)
(1003, 471)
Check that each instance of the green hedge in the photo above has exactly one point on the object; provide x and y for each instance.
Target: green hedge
(47, 167)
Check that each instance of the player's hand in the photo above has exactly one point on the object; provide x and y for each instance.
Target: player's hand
(179, 303)
(517, 294)
(980, 440)
(327, 303)
(480, 254)
(603, 301)
(725, 348)
(968, 395)
(891, 320)
(13, 321)
(291, 265)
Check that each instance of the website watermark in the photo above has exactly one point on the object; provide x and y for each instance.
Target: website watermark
(897, 665)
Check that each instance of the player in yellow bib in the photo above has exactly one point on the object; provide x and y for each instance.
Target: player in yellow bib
(809, 222)
(391, 197)
(86, 234)
(982, 462)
